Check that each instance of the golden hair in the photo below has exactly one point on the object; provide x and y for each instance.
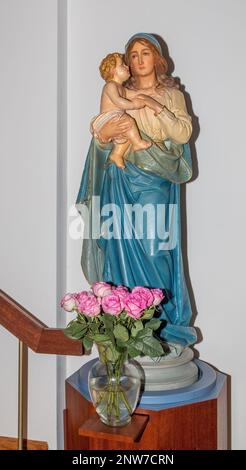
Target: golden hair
(161, 66)
(108, 64)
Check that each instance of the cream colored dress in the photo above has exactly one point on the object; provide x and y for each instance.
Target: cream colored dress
(172, 123)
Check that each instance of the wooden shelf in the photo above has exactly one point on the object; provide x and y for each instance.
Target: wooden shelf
(132, 432)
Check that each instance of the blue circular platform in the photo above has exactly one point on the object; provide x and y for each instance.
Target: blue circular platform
(207, 387)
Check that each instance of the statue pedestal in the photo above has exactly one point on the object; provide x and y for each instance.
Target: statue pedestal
(168, 373)
(193, 417)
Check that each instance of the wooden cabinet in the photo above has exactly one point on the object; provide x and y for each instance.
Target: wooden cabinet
(199, 425)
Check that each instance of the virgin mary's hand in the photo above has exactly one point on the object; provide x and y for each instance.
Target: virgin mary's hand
(115, 128)
(150, 102)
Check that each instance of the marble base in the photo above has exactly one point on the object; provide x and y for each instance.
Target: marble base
(168, 373)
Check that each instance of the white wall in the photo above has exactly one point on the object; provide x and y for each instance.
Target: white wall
(206, 42)
(28, 152)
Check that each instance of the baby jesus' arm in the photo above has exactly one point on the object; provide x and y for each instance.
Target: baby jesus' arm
(112, 91)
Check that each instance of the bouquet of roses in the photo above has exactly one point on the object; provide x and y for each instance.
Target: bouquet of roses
(121, 322)
(117, 316)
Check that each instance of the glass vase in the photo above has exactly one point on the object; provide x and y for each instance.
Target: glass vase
(114, 385)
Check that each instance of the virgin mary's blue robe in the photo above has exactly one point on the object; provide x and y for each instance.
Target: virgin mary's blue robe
(152, 180)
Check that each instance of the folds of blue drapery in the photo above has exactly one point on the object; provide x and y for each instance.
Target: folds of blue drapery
(135, 253)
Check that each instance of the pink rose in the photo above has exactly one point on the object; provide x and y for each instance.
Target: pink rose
(69, 302)
(112, 304)
(120, 288)
(80, 295)
(89, 305)
(158, 296)
(101, 289)
(145, 293)
(135, 303)
(122, 292)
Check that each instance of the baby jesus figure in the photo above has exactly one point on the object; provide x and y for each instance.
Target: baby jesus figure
(114, 104)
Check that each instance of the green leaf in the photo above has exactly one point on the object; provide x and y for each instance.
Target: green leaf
(120, 344)
(153, 324)
(121, 332)
(123, 315)
(152, 347)
(87, 343)
(93, 328)
(100, 337)
(75, 330)
(138, 326)
(143, 333)
(81, 318)
(134, 343)
(148, 314)
(108, 321)
(132, 351)
(66, 333)
(112, 354)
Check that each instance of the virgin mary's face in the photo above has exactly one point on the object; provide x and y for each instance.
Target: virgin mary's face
(141, 60)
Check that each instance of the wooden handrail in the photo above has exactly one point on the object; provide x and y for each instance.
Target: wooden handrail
(34, 333)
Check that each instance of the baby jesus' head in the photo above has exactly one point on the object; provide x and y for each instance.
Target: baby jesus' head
(113, 66)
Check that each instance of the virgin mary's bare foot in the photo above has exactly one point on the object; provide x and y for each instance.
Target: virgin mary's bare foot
(117, 159)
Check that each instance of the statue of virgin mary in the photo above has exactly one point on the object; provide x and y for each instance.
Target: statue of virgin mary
(146, 250)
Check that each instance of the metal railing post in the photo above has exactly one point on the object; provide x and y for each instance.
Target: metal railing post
(22, 394)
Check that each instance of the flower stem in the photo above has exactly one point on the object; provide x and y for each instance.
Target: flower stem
(122, 395)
